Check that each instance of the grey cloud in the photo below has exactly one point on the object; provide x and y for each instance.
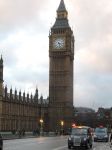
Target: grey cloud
(27, 74)
(28, 81)
(93, 89)
(9, 57)
(93, 19)
(18, 13)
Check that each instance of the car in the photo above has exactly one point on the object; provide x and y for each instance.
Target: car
(80, 136)
(101, 134)
(1, 142)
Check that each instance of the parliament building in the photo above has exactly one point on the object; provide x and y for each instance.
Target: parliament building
(21, 111)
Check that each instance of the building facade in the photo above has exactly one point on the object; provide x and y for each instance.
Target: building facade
(21, 111)
(61, 57)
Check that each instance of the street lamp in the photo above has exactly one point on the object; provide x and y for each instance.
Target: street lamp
(41, 126)
(62, 124)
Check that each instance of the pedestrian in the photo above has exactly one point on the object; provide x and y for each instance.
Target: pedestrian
(111, 136)
(1, 142)
(56, 132)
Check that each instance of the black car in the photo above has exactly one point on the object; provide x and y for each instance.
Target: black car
(101, 134)
(81, 136)
(1, 142)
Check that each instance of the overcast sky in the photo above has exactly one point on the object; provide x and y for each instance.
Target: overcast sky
(24, 45)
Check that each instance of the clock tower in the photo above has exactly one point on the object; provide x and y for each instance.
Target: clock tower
(61, 57)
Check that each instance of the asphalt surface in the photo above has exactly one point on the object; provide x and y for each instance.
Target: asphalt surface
(47, 143)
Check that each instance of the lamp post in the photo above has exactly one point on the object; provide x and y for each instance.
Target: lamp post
(41, 126)
(62, 124)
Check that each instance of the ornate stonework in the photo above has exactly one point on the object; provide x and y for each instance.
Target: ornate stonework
(61, 55)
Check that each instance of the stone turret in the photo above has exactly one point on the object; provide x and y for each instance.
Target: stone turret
(1, 89)
(36, 95)
(1, 78)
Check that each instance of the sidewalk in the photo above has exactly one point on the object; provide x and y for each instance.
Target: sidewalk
(9, 135)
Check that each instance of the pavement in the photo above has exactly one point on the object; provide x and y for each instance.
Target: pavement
(9, 135)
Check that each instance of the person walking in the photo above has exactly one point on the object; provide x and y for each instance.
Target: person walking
(111, 136)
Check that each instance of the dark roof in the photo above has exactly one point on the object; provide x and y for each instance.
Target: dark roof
(61, 23)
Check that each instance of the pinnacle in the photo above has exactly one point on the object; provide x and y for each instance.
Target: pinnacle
(61, 6)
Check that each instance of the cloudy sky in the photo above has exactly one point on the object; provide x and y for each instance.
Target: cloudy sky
(24, 45)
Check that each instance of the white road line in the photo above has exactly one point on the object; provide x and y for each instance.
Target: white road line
(59, 148)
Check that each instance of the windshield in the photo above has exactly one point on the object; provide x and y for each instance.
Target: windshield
(78, 131)
(101, 130)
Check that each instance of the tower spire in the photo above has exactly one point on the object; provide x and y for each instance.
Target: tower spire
(1, 60)
(61, 6)
(62, 17)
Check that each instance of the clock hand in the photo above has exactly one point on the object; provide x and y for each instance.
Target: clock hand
(59, 43)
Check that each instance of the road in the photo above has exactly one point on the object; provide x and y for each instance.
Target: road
(46, 143)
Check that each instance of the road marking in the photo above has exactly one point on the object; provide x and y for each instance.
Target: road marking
(59, 148)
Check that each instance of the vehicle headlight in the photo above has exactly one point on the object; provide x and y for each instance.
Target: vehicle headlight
(69, 138)
(95, 135)
(85, 139)
(105, 136)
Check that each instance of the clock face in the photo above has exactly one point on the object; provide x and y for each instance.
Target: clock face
(59, 43)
